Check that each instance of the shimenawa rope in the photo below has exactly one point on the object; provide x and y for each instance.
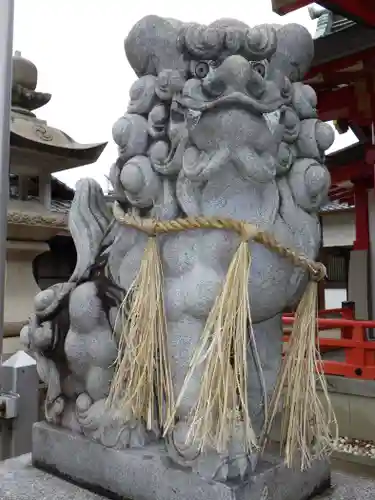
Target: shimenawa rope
(142, 384)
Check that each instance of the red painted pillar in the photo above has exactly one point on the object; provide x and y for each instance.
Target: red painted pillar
(358, 283)
(362, 239)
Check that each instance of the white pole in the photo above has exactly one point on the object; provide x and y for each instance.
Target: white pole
(6, 50)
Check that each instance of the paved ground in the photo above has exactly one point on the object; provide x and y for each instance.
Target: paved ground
(20, 481)
(349, 487)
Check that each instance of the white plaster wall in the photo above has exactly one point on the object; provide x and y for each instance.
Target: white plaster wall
(334, 297)
(20, 286)
(338, 229)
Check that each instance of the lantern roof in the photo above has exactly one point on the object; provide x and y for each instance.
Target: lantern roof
(30, 133)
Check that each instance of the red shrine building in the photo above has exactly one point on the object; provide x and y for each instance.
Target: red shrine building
(343, 75)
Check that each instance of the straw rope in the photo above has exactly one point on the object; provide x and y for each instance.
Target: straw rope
(245, 230)
(142, 370)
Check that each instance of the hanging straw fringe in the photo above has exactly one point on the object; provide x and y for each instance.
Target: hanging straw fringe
(143, 365)
(306, 421)
(223, 399)
(142, 385)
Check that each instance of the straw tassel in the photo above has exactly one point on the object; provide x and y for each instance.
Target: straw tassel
(142, 384)
(222, 404)
(308, 420)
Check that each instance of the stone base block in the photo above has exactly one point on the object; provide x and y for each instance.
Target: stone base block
(148, 474)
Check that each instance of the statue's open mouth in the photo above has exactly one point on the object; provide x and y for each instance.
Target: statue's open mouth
(233, 99)
(191, 109)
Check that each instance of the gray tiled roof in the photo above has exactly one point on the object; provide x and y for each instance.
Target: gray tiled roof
(329, 23)
(335, 206)
(61, 206)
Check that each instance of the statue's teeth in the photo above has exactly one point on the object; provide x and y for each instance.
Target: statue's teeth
(272, 120)
(193, 118)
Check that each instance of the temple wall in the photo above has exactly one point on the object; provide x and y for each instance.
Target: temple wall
(338, 229)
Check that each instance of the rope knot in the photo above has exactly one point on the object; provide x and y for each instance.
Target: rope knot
(248, 231)
(318, 272)
(149, 226)
(245, 230)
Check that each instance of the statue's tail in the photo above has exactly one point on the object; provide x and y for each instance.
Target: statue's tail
(89, 220)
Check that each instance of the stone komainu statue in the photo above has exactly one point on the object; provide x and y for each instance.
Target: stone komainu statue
(218, 126)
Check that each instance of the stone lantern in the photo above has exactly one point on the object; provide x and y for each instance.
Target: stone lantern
(37, 151)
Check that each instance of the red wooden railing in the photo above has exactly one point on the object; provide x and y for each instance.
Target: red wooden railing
(359, 352)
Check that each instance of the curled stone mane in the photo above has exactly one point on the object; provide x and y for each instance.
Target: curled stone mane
(227, 37)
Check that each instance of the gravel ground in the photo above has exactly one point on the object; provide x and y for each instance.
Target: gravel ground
(20, 481)
(356, 447)
(349, 487)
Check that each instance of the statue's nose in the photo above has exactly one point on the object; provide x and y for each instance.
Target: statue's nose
(236, 71)
(237, 75)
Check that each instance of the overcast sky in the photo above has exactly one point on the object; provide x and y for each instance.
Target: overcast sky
(77, 46)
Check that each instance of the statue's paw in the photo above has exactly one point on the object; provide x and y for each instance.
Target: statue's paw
(233, 464)
(225, 467)
(209, 464)
(109, 427)
(179, 450)
(119, 435)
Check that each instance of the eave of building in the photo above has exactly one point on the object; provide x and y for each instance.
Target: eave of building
(358, 10)
(342, 74)
(351, 172)
(83, 154)
(336, 207)
(355, 162)
(353, 40)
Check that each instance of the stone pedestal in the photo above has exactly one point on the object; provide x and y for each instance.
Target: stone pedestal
(148, 474)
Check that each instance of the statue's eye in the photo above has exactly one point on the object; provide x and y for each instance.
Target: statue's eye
(201, 69)
(260, 68)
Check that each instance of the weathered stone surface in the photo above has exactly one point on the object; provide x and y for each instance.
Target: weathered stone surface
(20, 481)
(218, 125)
(149, 474)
